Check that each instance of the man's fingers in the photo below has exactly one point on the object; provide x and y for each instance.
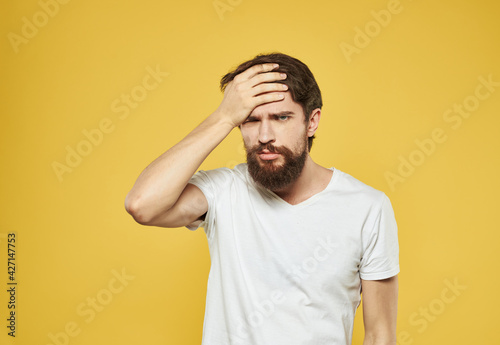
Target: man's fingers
(267, 77)
(269, 87)
(254, 86)
(269, 97)
(256, 69)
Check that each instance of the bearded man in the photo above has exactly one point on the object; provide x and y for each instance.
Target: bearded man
(293, 245)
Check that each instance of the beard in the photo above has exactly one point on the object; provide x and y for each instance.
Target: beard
(271, 175)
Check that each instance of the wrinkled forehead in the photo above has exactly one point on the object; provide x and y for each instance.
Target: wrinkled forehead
(287, 104)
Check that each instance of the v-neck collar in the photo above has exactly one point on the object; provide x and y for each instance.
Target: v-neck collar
(306, 202)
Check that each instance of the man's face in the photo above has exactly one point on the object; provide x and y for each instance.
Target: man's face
(275, 139)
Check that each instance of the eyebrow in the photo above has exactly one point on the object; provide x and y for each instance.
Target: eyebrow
(282, 113)
(286, 112)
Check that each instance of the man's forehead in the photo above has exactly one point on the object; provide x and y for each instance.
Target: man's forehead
(287, 105)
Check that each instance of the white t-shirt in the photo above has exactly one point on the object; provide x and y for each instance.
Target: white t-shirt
(285, 274)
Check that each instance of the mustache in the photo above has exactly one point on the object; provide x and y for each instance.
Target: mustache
(269, 147)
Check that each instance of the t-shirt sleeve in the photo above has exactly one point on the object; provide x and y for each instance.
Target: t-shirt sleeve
(209, 182)
(380, 257)
(201, 180)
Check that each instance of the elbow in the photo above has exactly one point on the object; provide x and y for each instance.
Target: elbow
(134, 208)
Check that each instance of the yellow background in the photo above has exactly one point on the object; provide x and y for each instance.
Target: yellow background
(73, 234)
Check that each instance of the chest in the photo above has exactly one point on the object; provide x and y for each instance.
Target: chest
(317, 245)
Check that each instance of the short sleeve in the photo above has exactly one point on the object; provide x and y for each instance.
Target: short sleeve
(209, 182)
(380, 257)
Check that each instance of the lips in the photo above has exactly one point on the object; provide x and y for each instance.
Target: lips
(266, 155)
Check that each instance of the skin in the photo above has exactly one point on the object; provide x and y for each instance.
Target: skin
(264, 125)
(380, 307)
(162, 196)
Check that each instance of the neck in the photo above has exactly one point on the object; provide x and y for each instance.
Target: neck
(313, 179)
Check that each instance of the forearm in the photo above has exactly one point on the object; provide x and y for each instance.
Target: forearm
(383, 333)
(160, 184)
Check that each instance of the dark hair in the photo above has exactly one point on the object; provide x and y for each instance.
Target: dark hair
(300, 81)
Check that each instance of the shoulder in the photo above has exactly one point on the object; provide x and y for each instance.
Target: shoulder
(221, 175)
(348, 184)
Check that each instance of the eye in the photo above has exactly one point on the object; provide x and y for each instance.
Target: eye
(283, 117)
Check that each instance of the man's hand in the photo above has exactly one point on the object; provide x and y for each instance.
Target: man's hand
(250, 89)
(161, 195)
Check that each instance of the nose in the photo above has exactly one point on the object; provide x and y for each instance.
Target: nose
(266, 132)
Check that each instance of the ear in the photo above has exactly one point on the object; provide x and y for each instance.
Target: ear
(313, 123)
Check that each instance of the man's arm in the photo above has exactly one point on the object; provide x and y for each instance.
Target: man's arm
(161, 196)
(380, 305)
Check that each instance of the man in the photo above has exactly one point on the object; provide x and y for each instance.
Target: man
(292, 244)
